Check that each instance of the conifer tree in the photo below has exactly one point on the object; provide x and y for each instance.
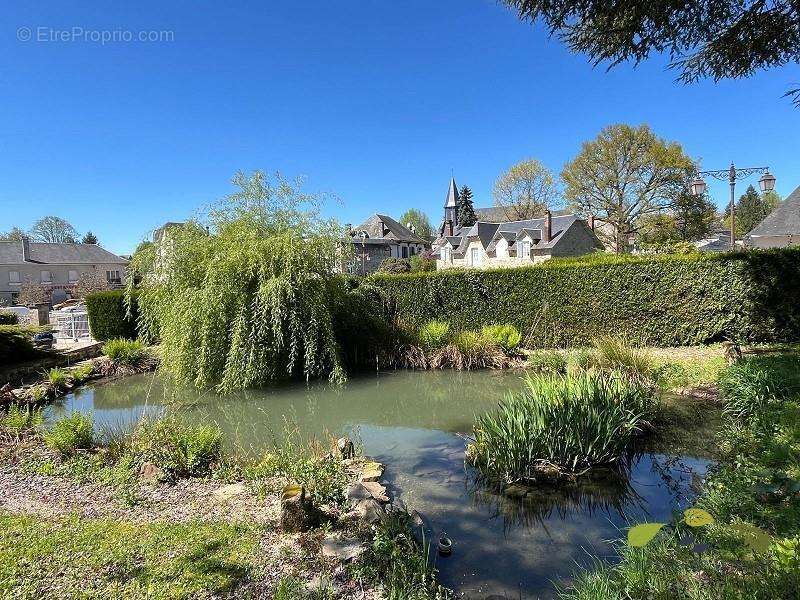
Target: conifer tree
(466, 210)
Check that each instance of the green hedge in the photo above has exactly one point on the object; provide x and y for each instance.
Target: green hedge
(657, 300)
(107, 316)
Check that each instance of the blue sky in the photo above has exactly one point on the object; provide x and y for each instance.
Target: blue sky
(376, 102)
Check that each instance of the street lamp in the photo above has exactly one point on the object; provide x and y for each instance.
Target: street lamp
(697, 186)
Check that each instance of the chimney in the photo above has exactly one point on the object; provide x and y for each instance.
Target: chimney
(590, 221)
(26, 249)
(548, 224)
(382, 227)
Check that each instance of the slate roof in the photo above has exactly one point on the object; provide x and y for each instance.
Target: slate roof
(784, 220)
(58, 254)
(453, 198)
(391, 230)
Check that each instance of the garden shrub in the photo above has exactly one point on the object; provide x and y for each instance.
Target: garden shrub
(395, 265)
(176, 446)
(433, 334)
(108, 316)
(8, 318)
(420, 263)
(560, 425)
(652, 300)
(16, 344)
(505, 336)
(125, 352)
(71, 433)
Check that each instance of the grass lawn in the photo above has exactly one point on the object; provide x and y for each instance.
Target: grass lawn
(83, 558)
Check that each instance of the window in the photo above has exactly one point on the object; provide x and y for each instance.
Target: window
(405, 252)
(46, 277)
(113, 277)
(73, 276)
(474, 257)
(447, 254)
(413, 250)
(13, 277)
(524, 250)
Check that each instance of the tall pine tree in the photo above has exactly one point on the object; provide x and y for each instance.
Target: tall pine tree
(751, 209)
(466, 210)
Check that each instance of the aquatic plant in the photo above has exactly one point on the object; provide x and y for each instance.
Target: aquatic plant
(614, 353)
(18, 421)
(560, 425)
(246, 297)
(125, 352)
(547, 361)
(82, 373)
(469, 350)
(752, 385)
(176, 446)
(433, 334)
(59, 378)
(506, 337)
(71, 433)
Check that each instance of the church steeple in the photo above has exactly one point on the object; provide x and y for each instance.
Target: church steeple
(451, 203)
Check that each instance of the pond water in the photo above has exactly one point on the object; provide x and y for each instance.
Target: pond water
(411, 421)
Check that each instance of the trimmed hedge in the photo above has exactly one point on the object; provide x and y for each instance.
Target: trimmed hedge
(656, 300)
(107, 316)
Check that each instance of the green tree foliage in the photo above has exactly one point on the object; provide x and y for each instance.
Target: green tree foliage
(252, 299)
(689, 218)
(89, 238)
(53, 230)
(420, 222)
(525, 191)
(466, 209)
(751, 209)
(15, 234)
(623, 175)
(722, 39)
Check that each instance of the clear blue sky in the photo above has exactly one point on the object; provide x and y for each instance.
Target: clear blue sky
(374, 101)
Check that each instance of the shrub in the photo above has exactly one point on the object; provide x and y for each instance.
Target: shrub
(59, 378)
(177, 447)
(560, 425)
(652, 300)
(71, 433)
(108, 316)
(8, 318)
(125, 352)
(395, 265)
(16, 344)
(420, 263)
(505, 336)
(17, 421)
(433, 334)
(547, 361)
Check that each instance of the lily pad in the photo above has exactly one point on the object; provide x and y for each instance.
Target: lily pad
(640, 535)
(758, 539)
(697, 517)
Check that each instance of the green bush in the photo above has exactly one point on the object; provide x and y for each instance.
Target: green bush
(433, 334)
(177, 447)
(560, 425)
(125, 352)
(652, 300)
(505, 336)
(108, 316)
(395, 265)
(71, 433)
(8, 318)
(16, 344)
(547, 361)
(419, 263)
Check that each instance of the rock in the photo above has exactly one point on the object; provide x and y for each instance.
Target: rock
(355, 492)
(298, 512)
(346, 549)
(376, 490)
(369, 511)
(226, 492)
(150, 472)
(346, 449)
(372, 471)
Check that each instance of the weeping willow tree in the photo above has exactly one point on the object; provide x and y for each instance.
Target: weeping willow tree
(247, 294)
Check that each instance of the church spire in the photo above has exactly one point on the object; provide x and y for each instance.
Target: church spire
(452, 195)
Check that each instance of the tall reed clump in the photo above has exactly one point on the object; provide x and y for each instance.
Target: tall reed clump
(70, 434)
(755, 384)
(560, 425)
(613, 353)
(249, 298)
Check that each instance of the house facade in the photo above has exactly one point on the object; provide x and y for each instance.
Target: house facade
(495, 241)
(781, 228)
(381, 237)
(57, 267)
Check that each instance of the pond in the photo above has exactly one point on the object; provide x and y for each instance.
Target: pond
(412, 421)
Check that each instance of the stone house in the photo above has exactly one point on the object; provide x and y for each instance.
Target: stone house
(57, 267)
(381, 237)
(518, 243)
(781, 228)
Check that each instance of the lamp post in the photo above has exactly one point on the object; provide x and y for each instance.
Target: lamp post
(767, 183)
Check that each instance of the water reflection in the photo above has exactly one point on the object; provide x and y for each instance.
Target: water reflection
(501, 546)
